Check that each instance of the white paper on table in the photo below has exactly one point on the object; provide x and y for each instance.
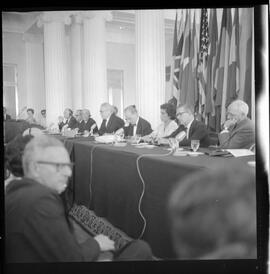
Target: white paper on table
(240, 152)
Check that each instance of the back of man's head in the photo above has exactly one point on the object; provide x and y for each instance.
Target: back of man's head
(239, 107)
(36, 146)
(213, 214)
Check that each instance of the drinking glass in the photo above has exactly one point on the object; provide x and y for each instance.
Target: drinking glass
(195, 144)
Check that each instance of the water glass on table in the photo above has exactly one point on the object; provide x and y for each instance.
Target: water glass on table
(195, 144)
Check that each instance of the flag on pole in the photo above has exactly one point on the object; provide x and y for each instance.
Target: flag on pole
(176, 56)
(246, 56)
(191, 92)
(203, 56)
(219, 70)
(212, 54)
(234, 62)
(226, 64)
(185, 61)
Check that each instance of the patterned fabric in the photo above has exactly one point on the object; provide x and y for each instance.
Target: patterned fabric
(96, 225)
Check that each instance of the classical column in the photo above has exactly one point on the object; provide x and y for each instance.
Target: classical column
(35, 96)
(150, 64)
(94, 61)
(56, 83)
(76, 62)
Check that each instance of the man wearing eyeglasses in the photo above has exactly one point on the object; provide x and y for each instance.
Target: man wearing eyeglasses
(238, 130)
(110, 122)
(189, 128)
(37, 229)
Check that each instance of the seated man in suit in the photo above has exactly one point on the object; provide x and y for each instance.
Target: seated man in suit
(110, 122)
(89, 125)
(136, 124)
(70, 120)
(238, 131)
(79, 119)
(213, 214)
(193, 129)
(37, 228)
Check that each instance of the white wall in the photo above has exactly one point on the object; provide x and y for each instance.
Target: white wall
(122, 57)
(35, 77)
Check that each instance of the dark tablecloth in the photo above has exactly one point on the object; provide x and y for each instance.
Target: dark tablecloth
(106, 180)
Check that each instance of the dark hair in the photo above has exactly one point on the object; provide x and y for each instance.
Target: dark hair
(43, 111)
(13, 154)
(170, 110)
(212, 209)
(70, 111)
(30, 109)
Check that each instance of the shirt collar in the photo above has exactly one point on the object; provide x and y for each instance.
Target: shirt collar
(189, 124)
(137, 121)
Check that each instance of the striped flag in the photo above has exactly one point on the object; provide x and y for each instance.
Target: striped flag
(212, 52)
(203, 56)
(246, 56)
(233, 86)
(226, 64)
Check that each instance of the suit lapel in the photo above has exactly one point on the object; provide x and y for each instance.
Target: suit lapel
(139, 127)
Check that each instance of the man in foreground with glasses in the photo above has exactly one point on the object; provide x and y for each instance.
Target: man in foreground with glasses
(37, 229)
(238, 131)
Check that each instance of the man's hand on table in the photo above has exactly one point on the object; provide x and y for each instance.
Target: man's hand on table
(104, 242)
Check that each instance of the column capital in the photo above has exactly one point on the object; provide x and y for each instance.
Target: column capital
(54, 16)
(106, 15)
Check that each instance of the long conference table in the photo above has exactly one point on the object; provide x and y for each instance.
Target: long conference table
(106, 180)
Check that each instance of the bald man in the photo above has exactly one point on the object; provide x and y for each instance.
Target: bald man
(238, 130)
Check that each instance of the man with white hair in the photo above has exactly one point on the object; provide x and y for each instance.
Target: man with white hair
(238, 130)
(37, 228)
(110, 122)
(88, 124)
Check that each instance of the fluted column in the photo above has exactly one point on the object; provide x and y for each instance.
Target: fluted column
(35, 96)
(76, 62)
(94, 61)
(150, 64)
(56, 83)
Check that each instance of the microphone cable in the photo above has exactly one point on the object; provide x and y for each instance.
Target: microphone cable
(143, 184)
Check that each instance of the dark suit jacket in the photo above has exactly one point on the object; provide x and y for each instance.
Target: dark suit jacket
(72, 123)
(241, 136)
(197, 131)
(87, 125)
(113, 125)
(37, 229)
(143, 128)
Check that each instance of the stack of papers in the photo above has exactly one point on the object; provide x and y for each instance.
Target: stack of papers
(240, 152)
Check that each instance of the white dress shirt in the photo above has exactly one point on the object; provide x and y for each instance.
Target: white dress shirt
(188, 127)
(135, 127)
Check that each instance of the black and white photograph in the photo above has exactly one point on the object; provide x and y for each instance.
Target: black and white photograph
(135, 136)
